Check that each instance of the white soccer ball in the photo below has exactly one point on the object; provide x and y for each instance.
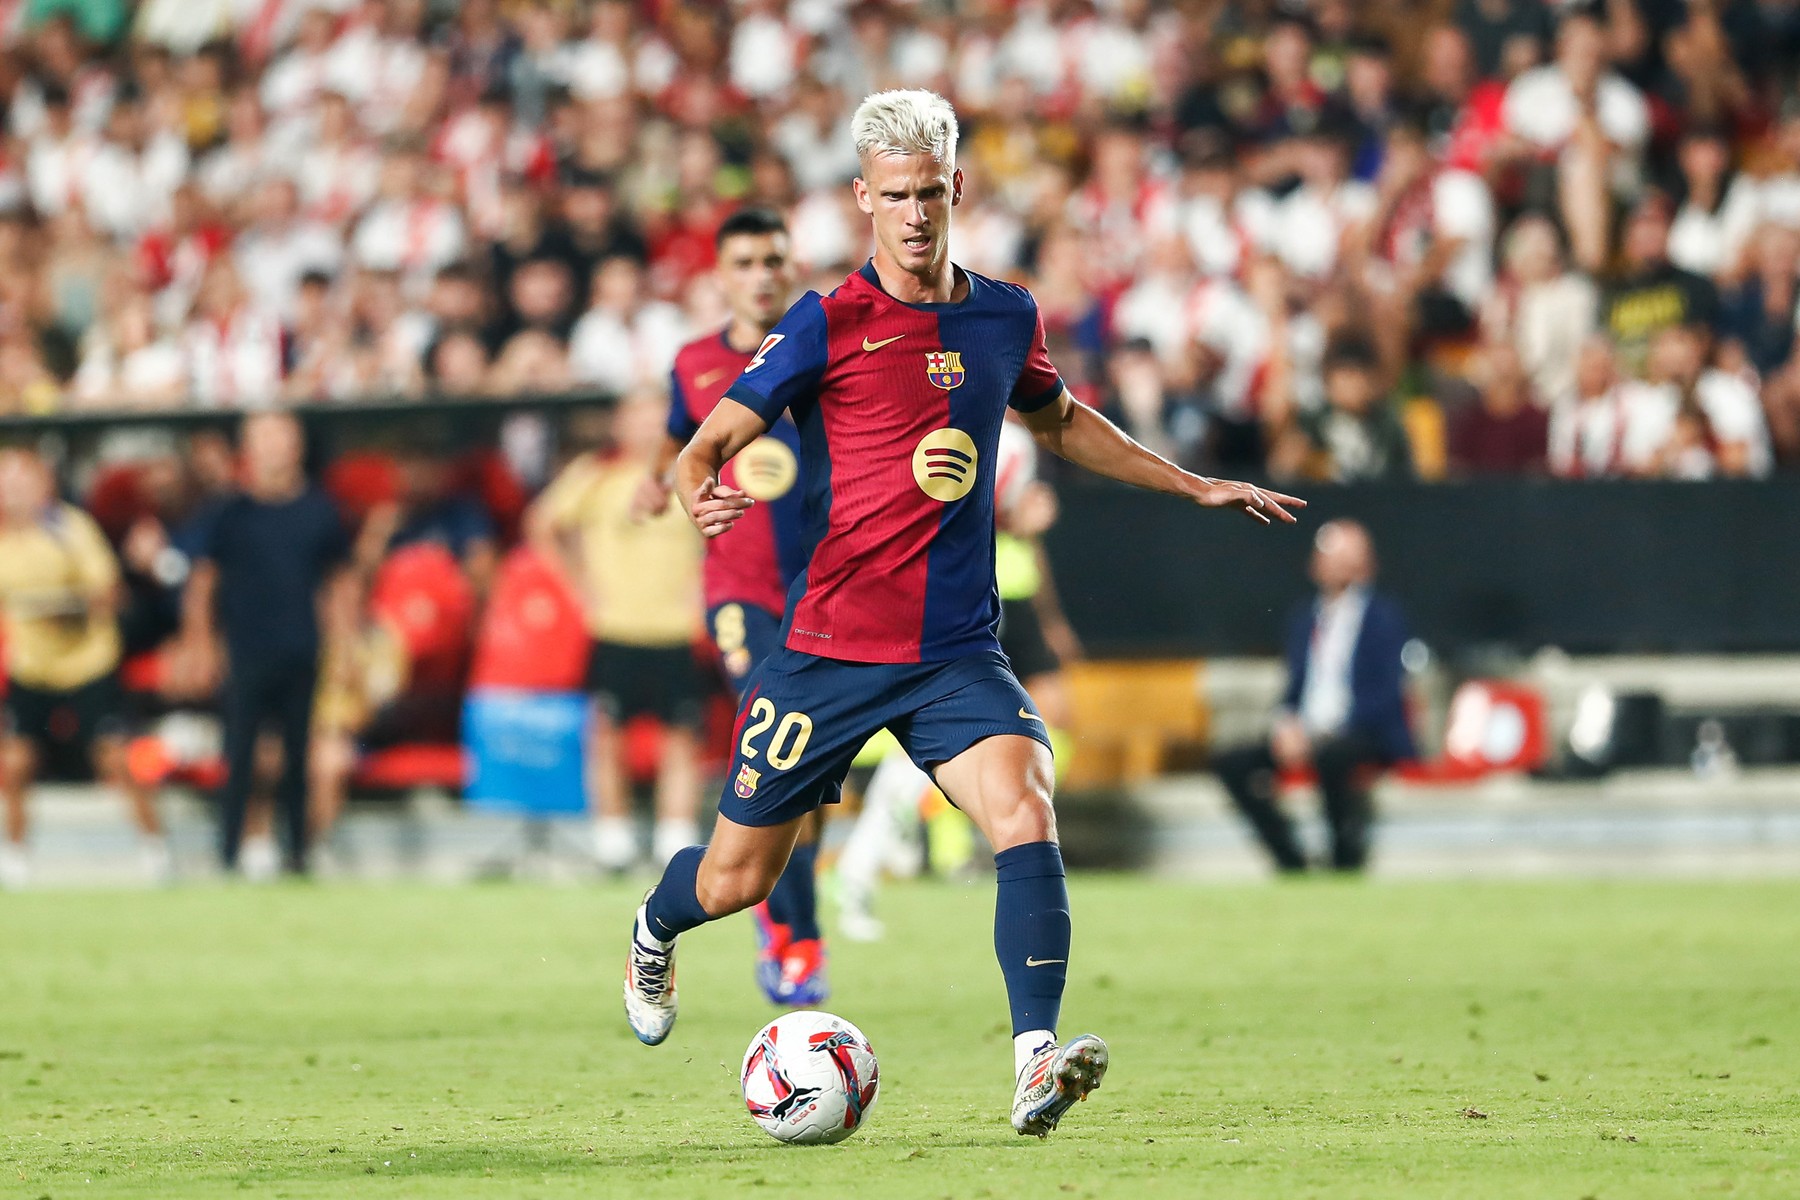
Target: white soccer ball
(810, 1078)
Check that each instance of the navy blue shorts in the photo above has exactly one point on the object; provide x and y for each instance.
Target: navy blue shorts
(804, 718)
(745, 634)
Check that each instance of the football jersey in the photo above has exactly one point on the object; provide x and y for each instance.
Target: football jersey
(899, 408)
(765, 551)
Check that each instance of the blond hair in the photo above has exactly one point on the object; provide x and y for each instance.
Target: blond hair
(905, 122)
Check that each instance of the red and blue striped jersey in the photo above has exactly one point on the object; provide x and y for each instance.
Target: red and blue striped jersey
(766, 550)
(899, 408)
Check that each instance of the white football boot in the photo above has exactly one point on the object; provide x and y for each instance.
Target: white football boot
(649, 984)
(1054, 1079)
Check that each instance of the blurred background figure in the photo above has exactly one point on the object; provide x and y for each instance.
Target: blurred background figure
(273, 565)
(639, 580)
(1343, 712)
(59, 593)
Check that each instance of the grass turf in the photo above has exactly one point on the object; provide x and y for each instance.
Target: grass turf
(1329, 1039)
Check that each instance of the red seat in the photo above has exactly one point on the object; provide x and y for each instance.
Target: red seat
(1494, 725)
(412, 765)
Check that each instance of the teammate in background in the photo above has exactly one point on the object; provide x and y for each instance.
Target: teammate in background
(640, 583)
(59, 596)
(746, 579)
(898, 382)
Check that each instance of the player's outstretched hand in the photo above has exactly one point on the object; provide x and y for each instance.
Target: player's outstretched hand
(1261, 503)
(716, 508)
(651, 499)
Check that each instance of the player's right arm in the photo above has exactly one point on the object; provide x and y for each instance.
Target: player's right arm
(785, 372)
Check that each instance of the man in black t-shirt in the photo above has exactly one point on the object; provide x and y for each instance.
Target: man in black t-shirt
(271, 563)
(1652, 294)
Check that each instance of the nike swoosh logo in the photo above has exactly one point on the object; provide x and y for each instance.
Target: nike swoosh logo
(868, 345)
(711, 377)
(1043, 962)
(1031, 716)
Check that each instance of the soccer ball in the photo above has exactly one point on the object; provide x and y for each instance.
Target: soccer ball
(810, 1078)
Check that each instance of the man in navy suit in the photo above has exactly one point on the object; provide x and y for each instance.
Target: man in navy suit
(1342, 712)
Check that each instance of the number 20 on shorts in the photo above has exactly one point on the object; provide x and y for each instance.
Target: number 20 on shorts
(789, 740)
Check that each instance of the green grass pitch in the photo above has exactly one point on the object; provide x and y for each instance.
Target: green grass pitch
(1565, 1040)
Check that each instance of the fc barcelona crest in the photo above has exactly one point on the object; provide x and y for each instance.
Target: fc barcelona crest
(944, 368)
(747, 779)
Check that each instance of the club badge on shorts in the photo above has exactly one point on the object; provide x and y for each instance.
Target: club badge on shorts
(747, 779)
(944, 368)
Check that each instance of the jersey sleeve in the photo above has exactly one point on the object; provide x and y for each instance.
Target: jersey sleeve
(682, 426)
(788, 365)
(1038, 383)
(94, 559)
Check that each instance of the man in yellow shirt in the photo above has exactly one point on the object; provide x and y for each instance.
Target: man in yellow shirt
(640, 583)
(59, 599)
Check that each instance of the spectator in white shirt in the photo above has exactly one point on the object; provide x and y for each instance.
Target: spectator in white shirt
(339, 172)
(56, 163)
(132, 173)
(1307, 227)
(410, 229)
(1586, 127)
(234, 349)
(280, 247)
(1542, 307)
(1708, 233)
(624, 340)
(126, 363)
(1704, 406)
(1607, 428)
(231, 173)
(1546, 105)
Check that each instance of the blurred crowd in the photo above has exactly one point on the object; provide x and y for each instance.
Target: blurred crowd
(1331, 239)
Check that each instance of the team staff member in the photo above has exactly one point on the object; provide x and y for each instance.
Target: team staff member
(273, 565)
(640, 583)
(1343, 711)
(747, 578)
(59, 593)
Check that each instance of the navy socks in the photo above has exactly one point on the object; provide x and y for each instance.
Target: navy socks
(794, 902)
(674, 907)
(1031, 933)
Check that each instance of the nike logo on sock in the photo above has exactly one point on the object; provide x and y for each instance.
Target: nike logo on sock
(868, 345)
(1042, 962)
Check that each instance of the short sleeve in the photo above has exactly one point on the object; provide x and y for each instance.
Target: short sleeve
(682, 426)
(202, 534)
(787, 367)
(94, 558)
(1038, 383)
(334, 540)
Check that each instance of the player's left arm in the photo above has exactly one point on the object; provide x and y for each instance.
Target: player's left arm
(1072, 430)
(1069, 429)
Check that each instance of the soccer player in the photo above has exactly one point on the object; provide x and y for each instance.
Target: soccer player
(746, 577)
(898, 382)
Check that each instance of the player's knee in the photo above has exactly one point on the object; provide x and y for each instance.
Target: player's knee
(729, 889)
(1028, 816)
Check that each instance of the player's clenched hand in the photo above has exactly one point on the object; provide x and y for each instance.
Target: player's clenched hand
(1261, 503)
(716, 508)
